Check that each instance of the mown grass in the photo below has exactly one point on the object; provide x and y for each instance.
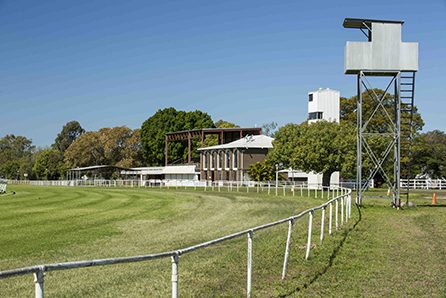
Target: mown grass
(384, 252)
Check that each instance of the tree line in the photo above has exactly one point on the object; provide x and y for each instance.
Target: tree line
(323, 147)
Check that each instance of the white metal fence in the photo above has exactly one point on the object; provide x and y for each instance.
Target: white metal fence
(339, 212)
(3, 184)
(423, 183)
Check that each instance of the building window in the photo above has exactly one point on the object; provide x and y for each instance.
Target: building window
(211, 161)
(310, 97)
(220, 160)
(315, 115)
(235, 159)
(228, 159)
(205, 160)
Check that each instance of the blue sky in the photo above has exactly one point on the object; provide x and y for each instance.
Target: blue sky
(110, 63)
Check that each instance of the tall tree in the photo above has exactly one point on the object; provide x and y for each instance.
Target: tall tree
(429, 153)
(323, 147)
(70, 132)
(16, 156)
(269, 129)
(118, 146)
(154, 129)
(87, 150)
(48, 164)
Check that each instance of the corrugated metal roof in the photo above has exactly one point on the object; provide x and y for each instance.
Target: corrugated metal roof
(258, 141)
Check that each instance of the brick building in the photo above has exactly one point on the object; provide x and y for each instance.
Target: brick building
(231, 161)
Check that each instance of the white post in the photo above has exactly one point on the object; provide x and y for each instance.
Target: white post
(322, 225)
(277, 177)
(175, 260)
(342, 211)
(350, 205)
(38, 283)
(284, 190)
(310, 231)
(287, 247)
(336, 215)
(330, 221)
(249, 277)
(218, 186)
(301, 190)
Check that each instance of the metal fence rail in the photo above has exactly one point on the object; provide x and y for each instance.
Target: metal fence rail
(423, 183)
(340, 196)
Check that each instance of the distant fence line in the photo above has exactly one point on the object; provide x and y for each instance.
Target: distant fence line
(424, 183)
(341, 199)
(177, 183)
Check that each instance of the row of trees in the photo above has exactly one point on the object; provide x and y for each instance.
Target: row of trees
(321, 147)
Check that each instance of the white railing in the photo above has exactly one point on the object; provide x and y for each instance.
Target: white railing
(342, 202)
(3, 184)
(423, 183)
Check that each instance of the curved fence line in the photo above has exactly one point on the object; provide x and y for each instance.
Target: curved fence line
(343, 198)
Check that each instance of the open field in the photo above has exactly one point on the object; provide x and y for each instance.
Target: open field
(382, 253)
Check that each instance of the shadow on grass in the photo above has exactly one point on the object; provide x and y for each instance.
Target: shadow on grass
(433, 206)
(331, 259)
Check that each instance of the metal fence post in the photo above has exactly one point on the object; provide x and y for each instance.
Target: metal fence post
(38, 283)
(175, 260)
(310, 231)
(287, 247)
(322, 225)
(249, 277)
(330, 220)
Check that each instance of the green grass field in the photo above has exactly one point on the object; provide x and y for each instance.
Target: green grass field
(383, 252)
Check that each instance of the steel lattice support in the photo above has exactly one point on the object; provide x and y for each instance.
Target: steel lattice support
(390, 132)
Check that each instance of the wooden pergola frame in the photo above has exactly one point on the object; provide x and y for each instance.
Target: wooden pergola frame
(225, 135)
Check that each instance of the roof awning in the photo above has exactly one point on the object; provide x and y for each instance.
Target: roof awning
(365, 23)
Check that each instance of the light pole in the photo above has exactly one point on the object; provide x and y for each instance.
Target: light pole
(277, 176)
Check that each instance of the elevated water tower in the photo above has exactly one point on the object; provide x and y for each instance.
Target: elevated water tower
(383, 55)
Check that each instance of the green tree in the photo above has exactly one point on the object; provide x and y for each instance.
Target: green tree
(212, 140)
(380, 120)
(70, 132)
(87, 150)
(16, 156)
(225, 124)
(118, 146)
(154, 129)
(132, 154)
(269, 129)
(261, 171)
(49, 164)
(323, 147)
(429, 153)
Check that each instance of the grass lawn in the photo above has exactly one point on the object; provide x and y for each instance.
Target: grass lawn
(383, 252)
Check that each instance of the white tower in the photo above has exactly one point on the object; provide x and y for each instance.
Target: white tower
(323, 104)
